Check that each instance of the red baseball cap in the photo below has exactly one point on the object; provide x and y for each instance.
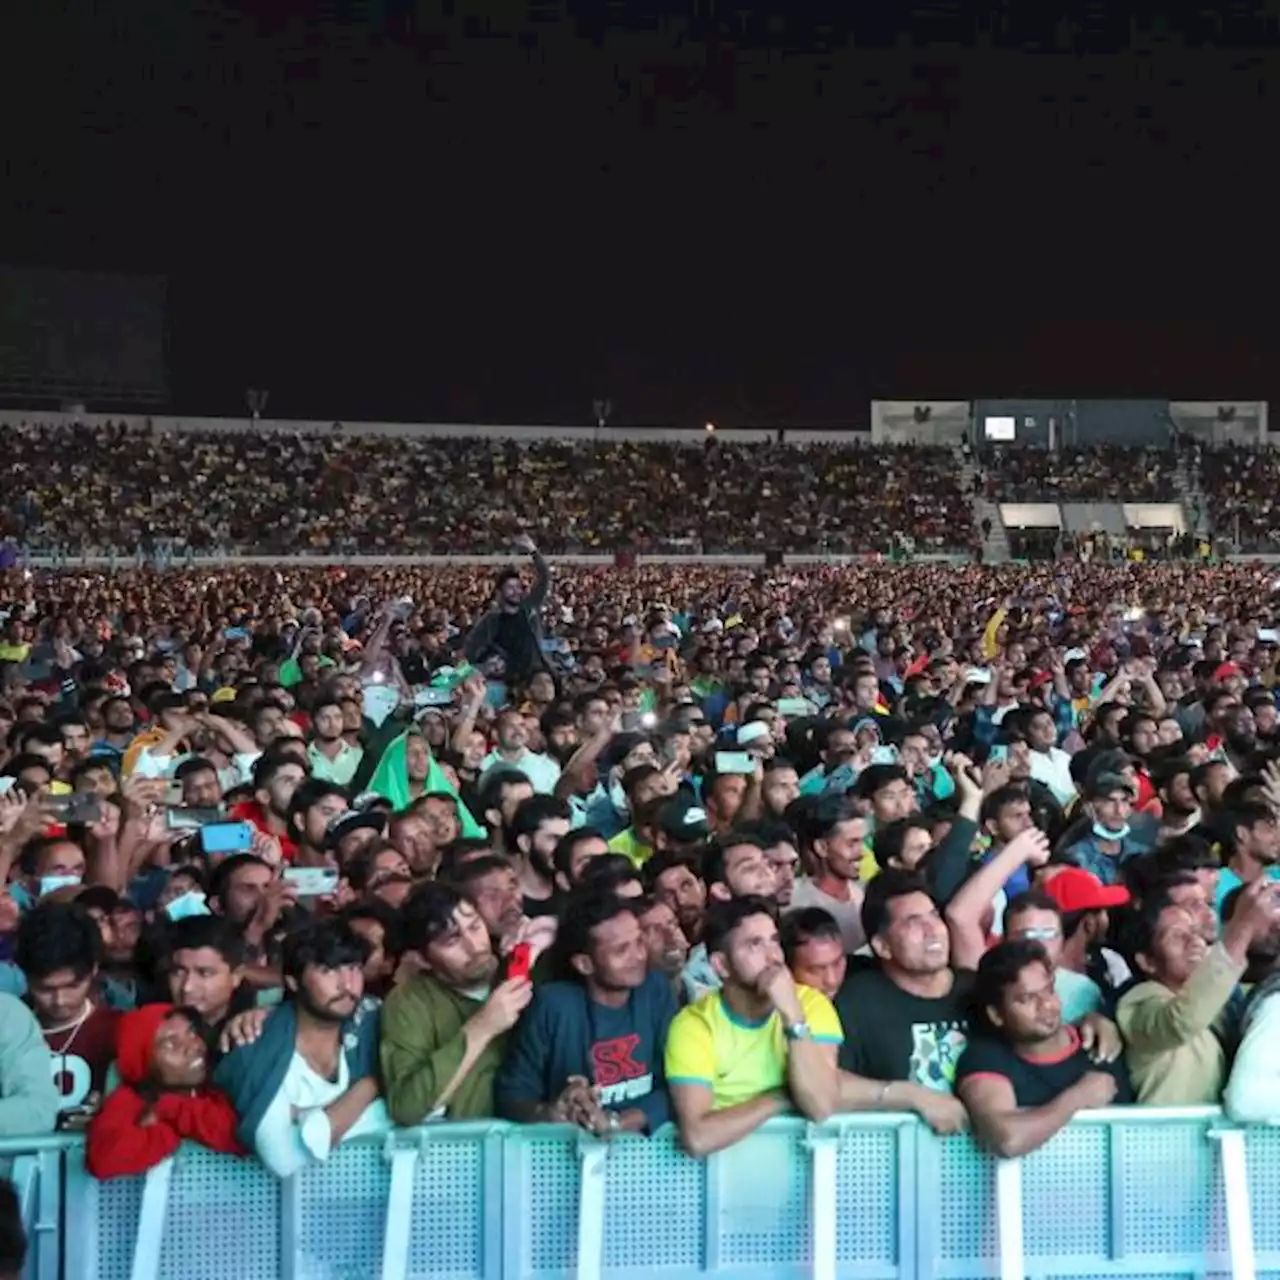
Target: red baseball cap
(1075, 889)
(1226, 671)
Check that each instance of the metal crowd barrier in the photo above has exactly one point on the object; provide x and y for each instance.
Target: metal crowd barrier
(1137, 1192)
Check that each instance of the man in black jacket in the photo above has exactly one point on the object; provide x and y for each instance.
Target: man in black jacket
(512, 629)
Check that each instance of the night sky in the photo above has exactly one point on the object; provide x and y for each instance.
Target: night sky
(758, 216)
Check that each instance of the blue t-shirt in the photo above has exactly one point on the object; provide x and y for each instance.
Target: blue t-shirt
(564, 1033)
(1228, 880)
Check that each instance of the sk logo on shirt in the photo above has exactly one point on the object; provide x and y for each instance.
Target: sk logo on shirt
(619, 1076)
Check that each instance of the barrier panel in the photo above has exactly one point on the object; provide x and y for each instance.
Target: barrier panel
(1135, 1192)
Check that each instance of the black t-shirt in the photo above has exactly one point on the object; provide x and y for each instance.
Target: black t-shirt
(1037, 1081)
(516, 641)
(890, 1034)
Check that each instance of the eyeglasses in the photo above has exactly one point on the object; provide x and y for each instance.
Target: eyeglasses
(1046, 934)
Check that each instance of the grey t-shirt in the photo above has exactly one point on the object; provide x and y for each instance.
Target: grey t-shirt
(848, 914)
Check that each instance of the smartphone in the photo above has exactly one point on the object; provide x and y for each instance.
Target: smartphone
(520, 965)
(218, 838)
(735, 762)
(665, 641)
(77, 807)
(312, 882)
(997, 754)
(885, 755)
(1268, 635)
(173, 794)
(178, 818)
(432, 698)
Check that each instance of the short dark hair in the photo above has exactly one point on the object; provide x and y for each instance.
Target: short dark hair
(999, 969)
(1001, 798)
(586, 912)
(270, 763)
(562, 858)
(428, 914)
(724, 917)
(381, 913)
(806, 925)
(493, 783)
(889, 884)
(534, 811)
(58, 935)
(464, 874)
(1032, 900)
(212, 932)
(193, 765)
(888, 840)
(609, 872)
(713, 867)
(327, 944)
(875, 777)
(310, 792)
(227, 868)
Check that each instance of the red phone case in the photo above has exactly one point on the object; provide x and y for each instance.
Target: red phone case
(521, 960)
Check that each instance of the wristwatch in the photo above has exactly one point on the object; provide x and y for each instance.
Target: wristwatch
(797, 1030)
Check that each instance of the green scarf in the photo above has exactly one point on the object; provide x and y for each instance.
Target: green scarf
(391, 781)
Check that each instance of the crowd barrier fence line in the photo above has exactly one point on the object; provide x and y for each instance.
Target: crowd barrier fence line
(1123, 1192)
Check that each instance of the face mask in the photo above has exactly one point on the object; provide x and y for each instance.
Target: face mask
(192, 903)
(1103, 834)
(48, 884)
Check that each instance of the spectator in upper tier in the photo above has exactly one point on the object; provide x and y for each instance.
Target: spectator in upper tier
(1025, 1073)
(60, 949)
(745, 1053)
(589, 1049)
(446, 1028)
(164, 1098)
(1178, 1021)
(311, 1080)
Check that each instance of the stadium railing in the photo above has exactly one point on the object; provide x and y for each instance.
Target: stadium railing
(1139, 1192)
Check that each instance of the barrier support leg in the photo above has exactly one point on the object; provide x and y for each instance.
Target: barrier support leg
(1235, 1190)
(1009, 1219)
(155, 1204)
(395, 1237)
(823, 1202)
(591, 1208)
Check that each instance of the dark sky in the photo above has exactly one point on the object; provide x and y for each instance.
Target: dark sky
(765, 217)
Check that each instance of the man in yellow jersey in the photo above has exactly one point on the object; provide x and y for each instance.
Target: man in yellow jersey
(757, 1047)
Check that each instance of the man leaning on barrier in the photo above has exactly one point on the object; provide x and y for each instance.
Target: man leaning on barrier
(1025, 1073)
(759, 1045)
(445, 1029)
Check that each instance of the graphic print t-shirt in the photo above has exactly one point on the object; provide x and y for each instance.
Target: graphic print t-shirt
(564, 1033)
(890, 1034)
(80, 1057)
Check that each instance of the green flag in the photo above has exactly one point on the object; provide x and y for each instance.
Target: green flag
(391, 781)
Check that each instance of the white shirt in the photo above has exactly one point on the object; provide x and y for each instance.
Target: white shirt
(285, 1144)
(1053, 768)
(542, 771)
(1252, 1095)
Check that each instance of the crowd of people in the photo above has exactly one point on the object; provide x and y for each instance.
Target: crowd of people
(296, 855)
(1240, 487)
(1094, 473)
(98, 491)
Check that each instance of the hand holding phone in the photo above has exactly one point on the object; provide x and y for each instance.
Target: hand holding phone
(735, 762)
(520, 962)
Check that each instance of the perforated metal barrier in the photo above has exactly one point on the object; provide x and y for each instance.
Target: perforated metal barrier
(1138, 1192)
